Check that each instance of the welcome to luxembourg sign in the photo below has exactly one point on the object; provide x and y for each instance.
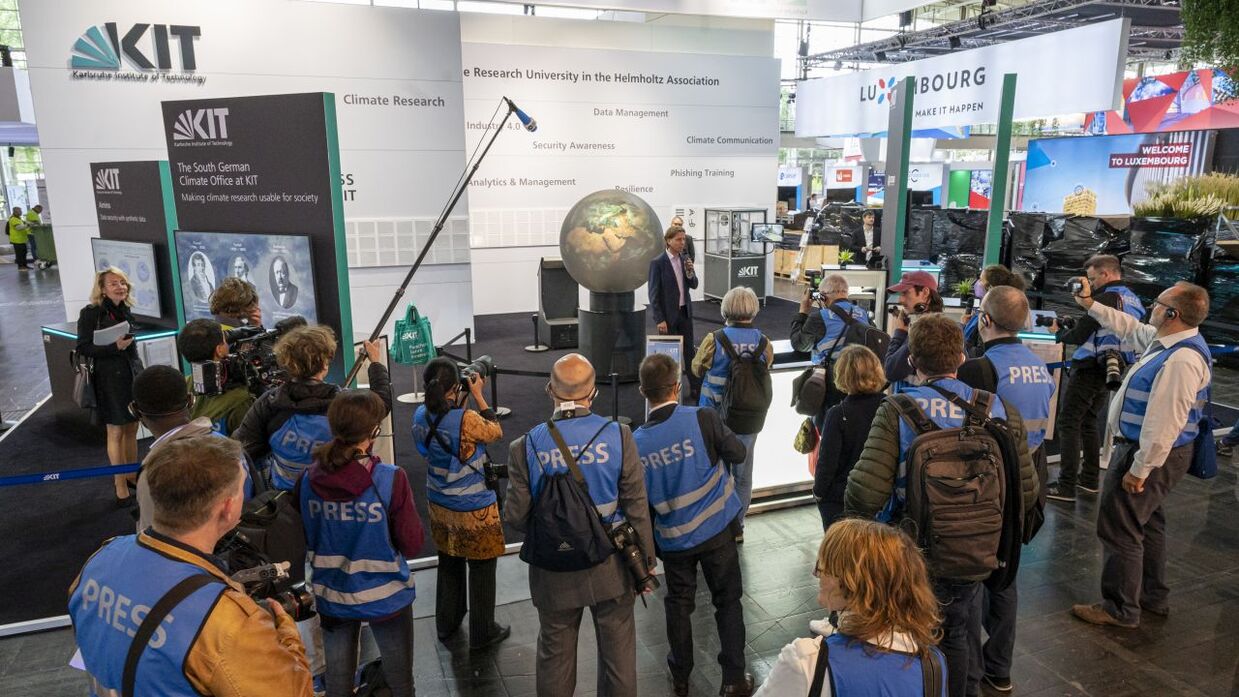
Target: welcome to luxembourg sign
(1061, 73)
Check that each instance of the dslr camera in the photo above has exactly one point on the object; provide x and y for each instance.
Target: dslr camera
(484, 367)
(624, 537)
(1064, 322)
(1114, 364)
(263, 579)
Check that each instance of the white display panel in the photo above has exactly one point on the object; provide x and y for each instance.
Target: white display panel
(666, 127)
(399, 110)
(1075, 70)
(137, 260)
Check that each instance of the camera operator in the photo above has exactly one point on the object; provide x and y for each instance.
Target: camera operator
(1086, 389)
(163, 403)
(918, 295)
(285, 425)
(202, 341)
(222, 642)
(696, 519)
(606, 455)
(1154, 420)
(462, 499)
(815, 332)
(235, 304)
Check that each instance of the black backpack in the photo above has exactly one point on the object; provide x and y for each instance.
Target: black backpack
(564, 531)
(860, 333)
(964, 506)
(748, 392)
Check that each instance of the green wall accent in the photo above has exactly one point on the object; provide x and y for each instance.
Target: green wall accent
(337, 209)
(959, 183)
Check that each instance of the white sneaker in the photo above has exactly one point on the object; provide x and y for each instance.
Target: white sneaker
(821, 627)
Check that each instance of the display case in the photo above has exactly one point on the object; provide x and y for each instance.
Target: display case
(732, 257)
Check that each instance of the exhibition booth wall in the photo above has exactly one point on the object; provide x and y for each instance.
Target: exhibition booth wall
(609, 116)
(682, 112)
(398, 106)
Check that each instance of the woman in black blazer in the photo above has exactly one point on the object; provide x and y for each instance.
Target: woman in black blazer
(115, 367)
(860, 376)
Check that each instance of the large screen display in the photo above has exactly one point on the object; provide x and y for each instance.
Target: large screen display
(279, 266)
(137, 260)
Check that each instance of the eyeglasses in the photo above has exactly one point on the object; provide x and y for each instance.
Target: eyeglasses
(818, 571)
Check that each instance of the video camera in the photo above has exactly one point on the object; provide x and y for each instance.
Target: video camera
(1048, 320)
(264, 579)
(250, 361)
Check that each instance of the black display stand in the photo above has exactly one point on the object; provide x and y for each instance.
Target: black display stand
(613, 334)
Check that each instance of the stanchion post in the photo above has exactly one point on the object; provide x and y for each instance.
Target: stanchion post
(537, 346)
(469, 344)
(500, 412)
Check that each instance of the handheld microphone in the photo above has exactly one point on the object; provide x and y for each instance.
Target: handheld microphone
(525, 119)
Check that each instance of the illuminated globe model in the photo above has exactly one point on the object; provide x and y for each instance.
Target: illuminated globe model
(608, 239)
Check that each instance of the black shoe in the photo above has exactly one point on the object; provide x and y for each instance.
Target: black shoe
(448, 635)
(678, 686)
(1059, 492)
(744, 688)
(1160, 611)
(498, 633)
(126, 502)
(1224, 450)
(999, 684)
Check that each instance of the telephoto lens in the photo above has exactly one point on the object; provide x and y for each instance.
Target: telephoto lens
(1114, 369)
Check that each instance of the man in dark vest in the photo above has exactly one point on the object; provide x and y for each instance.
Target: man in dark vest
(1151, 428)
(1012, 371)
(216, 640)
(607, 457)
(696, 512)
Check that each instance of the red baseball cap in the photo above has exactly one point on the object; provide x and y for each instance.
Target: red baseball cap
(924, 279)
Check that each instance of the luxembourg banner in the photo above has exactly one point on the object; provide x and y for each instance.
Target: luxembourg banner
(1068, 71)
(1106, 175)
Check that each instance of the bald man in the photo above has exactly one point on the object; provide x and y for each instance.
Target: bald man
(607, 456)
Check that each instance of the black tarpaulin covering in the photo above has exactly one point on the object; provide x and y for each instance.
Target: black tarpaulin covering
(1070, 241)
(959, 243)
(920, 234)
(1164, 252)
(1223, 323)
(1030, 232)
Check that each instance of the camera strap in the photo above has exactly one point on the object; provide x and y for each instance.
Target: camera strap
(577, 475)
(151, 622)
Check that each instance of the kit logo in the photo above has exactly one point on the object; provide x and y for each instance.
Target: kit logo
(101, 48)
(201, 124)
(747, 272)
(107, 179)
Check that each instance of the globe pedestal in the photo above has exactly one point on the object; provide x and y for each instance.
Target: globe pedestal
(613, 334)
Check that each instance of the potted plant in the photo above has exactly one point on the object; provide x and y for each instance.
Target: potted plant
(964, 290)
(845, 257)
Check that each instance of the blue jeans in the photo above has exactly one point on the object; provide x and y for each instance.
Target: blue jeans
(395, 640)
(743, 474)
(1232, 438)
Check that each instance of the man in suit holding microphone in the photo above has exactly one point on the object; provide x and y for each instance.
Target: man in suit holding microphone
(671, 279)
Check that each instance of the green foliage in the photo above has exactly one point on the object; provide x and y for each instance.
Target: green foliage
(963, 289)
(1211, 37)
(846, 256)
(1191, 197)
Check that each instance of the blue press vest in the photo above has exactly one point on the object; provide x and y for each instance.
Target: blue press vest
(1025, 382)
(292, 447)
(863, 670)
(742, 339)
(693, 499)
(836, 326)
(450, 483)
(944, 415)
(1136, 396)
(117, 588)
(357, 573)
(971, 330)
(600, 463)
(1104, 339)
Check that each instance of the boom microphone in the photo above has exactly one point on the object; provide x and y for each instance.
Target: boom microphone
(525, 119)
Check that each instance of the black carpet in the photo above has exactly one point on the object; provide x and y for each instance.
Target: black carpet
(49, 529)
